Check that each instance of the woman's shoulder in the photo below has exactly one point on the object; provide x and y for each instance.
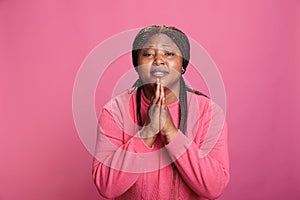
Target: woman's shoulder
(201, 99)
(120, 100)
(204, 102)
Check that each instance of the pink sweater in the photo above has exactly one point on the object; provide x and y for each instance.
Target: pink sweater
(194, 165)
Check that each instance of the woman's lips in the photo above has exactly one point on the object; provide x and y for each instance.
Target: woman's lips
(159, 73)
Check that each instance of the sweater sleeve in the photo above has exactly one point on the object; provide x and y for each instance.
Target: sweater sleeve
(203, 163)
(114, 157)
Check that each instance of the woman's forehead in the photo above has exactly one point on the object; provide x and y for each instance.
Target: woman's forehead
(161, 41)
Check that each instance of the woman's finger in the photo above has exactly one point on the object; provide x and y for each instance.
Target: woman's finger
(157, 92)
(162, 94)
(163, 105)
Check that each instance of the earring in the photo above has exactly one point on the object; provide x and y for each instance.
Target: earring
(182, 71)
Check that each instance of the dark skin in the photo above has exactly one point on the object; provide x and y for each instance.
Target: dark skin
(160, 54)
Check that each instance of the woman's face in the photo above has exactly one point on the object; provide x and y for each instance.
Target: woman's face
(160, 58)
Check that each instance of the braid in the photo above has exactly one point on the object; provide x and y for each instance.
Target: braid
(183, 111)
(137, 85)
(138, 106)
(183, 106)
(195, 91)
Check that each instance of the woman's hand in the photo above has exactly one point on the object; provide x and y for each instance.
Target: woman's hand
(151, 127)
(167, 127)
(158, 118)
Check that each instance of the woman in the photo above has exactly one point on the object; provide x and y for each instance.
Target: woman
(162, 139)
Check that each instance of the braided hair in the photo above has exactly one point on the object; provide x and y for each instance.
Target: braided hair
(182, 42)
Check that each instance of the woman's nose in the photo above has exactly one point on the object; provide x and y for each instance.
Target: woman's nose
(159, 60)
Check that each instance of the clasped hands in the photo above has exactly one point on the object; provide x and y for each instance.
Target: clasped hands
(158, 119)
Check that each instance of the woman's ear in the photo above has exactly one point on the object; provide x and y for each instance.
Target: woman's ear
(182, 70)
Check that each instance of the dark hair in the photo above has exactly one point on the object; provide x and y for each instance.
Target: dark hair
(182, 42)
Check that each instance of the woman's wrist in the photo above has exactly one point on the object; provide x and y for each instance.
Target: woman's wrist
(148, 136)
(170, 135)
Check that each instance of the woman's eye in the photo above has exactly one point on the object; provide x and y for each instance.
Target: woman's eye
(170, 54)
(147, 54)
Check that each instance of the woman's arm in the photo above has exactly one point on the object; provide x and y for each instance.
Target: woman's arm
(203, 163)
(115, 158)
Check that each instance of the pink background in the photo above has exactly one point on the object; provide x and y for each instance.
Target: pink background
(255, 44)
